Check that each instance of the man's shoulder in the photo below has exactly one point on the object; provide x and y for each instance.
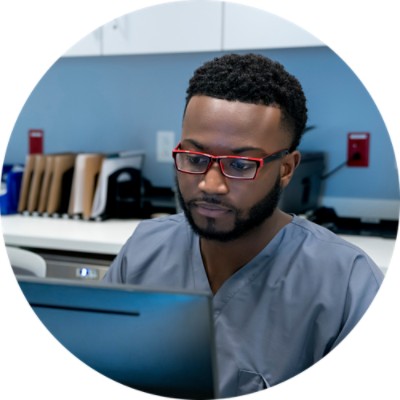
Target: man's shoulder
(324, 240)
(329, 252)
(163, 225)
(317, 232)
(155, 235)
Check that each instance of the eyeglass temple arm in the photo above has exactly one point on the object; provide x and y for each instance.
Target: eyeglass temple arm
(275, 156)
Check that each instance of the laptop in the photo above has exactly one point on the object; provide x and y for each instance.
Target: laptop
(157, 341)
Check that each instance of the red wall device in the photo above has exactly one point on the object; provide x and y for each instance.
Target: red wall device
(358, 149)
(35, 137)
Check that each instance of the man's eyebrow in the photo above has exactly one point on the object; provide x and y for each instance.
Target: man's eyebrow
(238, 150)
(196, 144)
(245, 149)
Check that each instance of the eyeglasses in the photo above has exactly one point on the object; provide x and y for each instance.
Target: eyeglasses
(234, 167)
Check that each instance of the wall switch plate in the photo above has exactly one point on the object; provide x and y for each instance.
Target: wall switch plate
(165, 143)
(358, 149)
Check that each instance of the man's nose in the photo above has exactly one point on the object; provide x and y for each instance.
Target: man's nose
(214, 181)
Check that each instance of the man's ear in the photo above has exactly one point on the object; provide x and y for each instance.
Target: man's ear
(288, 166)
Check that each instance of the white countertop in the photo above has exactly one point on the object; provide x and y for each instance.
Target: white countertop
(107, 237)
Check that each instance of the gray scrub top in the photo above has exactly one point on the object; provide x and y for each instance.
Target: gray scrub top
(276, 316)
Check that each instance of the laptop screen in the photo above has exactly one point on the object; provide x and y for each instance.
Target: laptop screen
(156, 341)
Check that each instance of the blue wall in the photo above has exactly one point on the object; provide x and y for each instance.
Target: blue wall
(108, 104)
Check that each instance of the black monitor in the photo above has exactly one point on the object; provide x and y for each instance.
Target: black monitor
(305, 189)
(156, 341)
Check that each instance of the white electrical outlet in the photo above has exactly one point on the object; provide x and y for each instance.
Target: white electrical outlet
(165, 143)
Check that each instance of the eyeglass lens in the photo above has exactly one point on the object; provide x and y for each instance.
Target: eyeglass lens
(231, 167)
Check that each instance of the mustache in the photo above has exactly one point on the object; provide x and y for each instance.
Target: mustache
(203, 197)
(209, 199)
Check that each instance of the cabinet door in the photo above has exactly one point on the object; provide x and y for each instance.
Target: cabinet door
(90, 45)
(251, 28)
(167, 28)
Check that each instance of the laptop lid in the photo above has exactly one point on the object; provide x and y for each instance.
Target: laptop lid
(156, 341)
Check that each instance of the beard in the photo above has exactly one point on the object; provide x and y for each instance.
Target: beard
(257, 214)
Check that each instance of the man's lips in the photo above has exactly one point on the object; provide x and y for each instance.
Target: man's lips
(210, 209)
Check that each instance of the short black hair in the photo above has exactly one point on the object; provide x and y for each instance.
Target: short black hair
(252, 78)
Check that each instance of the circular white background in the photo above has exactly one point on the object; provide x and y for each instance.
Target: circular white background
(33, 34)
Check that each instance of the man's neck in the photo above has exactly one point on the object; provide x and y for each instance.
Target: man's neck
(222, 259)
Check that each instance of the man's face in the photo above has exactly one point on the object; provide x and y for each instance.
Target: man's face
(217, 207)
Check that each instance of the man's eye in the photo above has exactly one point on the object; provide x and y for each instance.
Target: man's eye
(241, 165)
(197, 160)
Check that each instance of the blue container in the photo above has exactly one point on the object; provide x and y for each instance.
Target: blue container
(11, 182)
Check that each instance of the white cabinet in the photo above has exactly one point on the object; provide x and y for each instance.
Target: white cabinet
(90, 45)
(168, 28)
(193, 26)
(251, 28)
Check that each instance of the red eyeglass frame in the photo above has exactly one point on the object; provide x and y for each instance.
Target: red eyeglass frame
(260, 161)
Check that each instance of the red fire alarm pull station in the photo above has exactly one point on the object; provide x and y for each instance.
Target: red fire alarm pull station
(358, 149)
(35, 137)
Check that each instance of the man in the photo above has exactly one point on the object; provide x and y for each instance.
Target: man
(285, 291)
